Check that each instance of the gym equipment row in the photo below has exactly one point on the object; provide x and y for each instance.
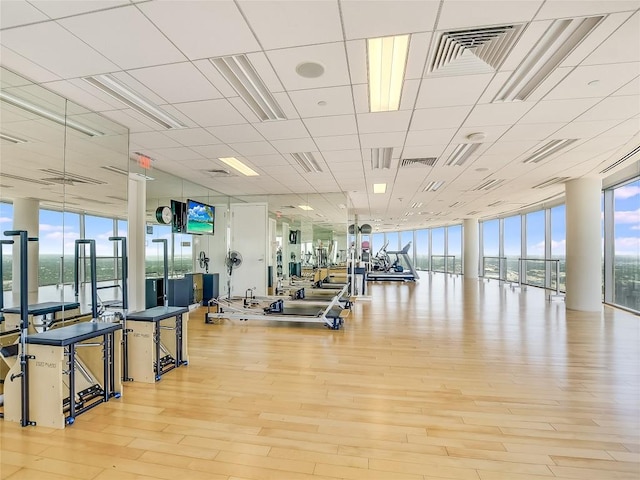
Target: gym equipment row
(384, 268)
(72, 362)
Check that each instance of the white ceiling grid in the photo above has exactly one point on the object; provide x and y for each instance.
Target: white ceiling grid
(161, 49)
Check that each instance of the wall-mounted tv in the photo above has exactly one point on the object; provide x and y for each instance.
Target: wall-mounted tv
(200, 218)
(179, 211)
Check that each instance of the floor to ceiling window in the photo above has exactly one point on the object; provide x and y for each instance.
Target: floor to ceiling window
(422, 250)
(57, 234)
(626, 261)
(437, 250)
(454, 248)
(491, 248)
(6, 223)
(512, 246)
(558, 245)
(534, 266)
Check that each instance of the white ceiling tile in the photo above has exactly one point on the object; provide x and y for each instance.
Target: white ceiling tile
(339, 101)
(215, 151)
(177, 154)
(417, 58)
(213, 75)
(19, 12)
(295, 145)
(361, 98)
(192, 136)
(211, 113)
(452, 91)
(430, 137)
(203, 29)
(277, 30)
(52, 47)
(609, 78)
(497, 113)
(469, 13)
(281, 130)
(631, 88)
(176, 83)
(66, 8)
(409, 94)
(439, 118)
(343, 156)
(558, 110)
(236, 133)
(18, 63)
(612, 108)
(333, 125)
(491, 132)
(564, 8)
(538, 131)
(627, 128)
(384, 121)
(512, 149)
(330, 55)
(610, 52)
(153, 140)
(388, 17)
(343, 142)
(357, 58)
(133, 120)
(253, 148)
(128, 49)
(375, 140)
(423, 151)
(268, 161)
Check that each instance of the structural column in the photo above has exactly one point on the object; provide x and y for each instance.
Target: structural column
(470, 254)
(136, 242)
(584, 245)
(26, 216)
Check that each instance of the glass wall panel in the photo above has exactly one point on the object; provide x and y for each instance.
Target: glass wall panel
(437, 249)
(58, 232)
(535, 265)
(512, 246)
(491, 248)
(454, 247)
(558, 245)
(422, 250)
(626, 262)
(6, 223)
(377, 242)
(406, 237)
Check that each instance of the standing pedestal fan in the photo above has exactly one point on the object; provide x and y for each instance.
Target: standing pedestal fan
(233, 261)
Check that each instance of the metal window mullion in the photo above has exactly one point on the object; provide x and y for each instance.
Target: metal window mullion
(547, 247)
(82, 274)
(502, 275)
(609, 246)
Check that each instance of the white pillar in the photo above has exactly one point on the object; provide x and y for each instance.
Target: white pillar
(471, 248)
(136, 231)
(26, 216)
(584, 245)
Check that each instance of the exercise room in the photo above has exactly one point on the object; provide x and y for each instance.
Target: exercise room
(320, 239)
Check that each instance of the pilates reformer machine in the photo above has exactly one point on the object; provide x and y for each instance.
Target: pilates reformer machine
(330, 314)
(157, 337)
(69, 367)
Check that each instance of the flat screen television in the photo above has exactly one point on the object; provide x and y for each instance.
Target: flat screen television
(200, 218)
(179, 211)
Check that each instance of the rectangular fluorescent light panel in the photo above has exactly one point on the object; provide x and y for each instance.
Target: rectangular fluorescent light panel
(122, 93)
(416, 204)
(305, 207)
(238, 71)
(433, 186)
(381, 157)
(559, 40)
(239, 166)
(379, 187)
(462, 153)
(307, 161)
(387, 60)
(548, 149)
(489, 184)
(49, 115)
(11, 138)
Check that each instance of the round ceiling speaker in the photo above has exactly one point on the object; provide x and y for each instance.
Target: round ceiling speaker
(310, 70)
(477, 136)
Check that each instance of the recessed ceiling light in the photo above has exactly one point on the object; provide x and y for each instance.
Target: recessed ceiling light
(305, 207)
(387, 60)
(476, 136)
(239, 166)
(310, 70)
(11, 138)
(322, 103)
(379, 187)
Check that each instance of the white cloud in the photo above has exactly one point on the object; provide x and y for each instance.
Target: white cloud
(628, 216)
(627, 191)
(5, 220)
(557, 246)
(45, 227)
(627, 246)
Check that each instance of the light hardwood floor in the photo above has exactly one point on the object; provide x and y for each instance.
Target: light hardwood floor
(444, 379)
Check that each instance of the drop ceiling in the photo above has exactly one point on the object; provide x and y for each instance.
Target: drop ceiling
(162, 50)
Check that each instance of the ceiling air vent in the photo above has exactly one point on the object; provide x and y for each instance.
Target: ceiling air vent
(475, 212)
(551, 181)
(114, 169)
(69, 178)
(477, 50)
(25, 179)
(488, 185)
(622, 160)
(418, 162)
